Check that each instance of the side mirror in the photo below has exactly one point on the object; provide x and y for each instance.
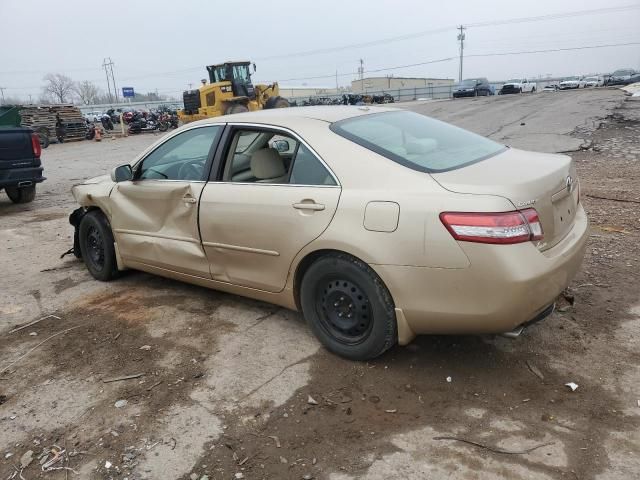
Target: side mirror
(122, 173)
(281, 145)
(254, 68)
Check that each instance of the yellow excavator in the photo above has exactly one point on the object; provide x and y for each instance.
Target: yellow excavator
(229, 91)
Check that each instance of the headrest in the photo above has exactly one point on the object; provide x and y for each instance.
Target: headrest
(267, 163)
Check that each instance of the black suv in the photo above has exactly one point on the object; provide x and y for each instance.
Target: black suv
(472, 87)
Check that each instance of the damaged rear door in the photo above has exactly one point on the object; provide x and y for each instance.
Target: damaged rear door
(155, 216)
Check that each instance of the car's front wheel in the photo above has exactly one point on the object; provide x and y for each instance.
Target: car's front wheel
(348, 307)
(96, 246)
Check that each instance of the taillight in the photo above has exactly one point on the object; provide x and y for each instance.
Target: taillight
(502, 227)
(35, 145)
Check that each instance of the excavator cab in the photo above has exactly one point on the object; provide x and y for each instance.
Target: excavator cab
(238, 74)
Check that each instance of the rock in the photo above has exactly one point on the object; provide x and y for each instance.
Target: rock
(204, 477)
(34, 334)
(283, 460)
(26, 459)
(449, 379)
(9, 455)
(308, 476)
(311, 401)
(239, 475)
(107, 464)
(121, 403)
(193, 476)
(145, 347)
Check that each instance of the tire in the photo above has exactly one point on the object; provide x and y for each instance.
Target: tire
(276, 102)
(236, 108)
(533, 90)
(96, 246)
(338, 285)
(21, 194)
(163, 126)
(43, 135)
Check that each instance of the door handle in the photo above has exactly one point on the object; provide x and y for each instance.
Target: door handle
(309, 206)
(189, 199)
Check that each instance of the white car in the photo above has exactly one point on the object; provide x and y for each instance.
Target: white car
(518, 85)
(595, 81)
(572, 82)
(93, 116)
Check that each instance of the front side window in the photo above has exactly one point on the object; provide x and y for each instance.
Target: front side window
(182, 157)
(416, 141)
(260, 156)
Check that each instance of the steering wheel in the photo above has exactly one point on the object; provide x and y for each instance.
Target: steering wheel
(190, 170)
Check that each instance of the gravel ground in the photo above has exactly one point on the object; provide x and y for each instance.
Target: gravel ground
(233, 388)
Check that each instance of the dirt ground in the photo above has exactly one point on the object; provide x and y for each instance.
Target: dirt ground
(229, 388)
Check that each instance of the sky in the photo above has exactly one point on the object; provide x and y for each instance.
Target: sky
(165, 45)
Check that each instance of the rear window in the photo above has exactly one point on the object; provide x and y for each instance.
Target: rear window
(416, 141)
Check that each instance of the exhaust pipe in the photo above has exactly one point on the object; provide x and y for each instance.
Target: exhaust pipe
(515, 333)
(25, 183)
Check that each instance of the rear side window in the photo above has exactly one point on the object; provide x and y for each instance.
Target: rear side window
(416, 141)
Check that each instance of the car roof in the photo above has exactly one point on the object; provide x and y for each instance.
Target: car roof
(288, 116)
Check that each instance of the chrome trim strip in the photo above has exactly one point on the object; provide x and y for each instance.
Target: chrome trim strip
(156, 235)
(238, 248)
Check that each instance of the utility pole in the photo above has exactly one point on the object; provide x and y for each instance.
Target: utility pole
(461, 39)
(108, 70)
(361, 72)
(2, 89)
(336, 81)
(105, 65)
(113, 79)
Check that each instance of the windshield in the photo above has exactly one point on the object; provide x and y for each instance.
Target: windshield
(468, 83)
(416, 141)
(591, 79)
(515, 80)
(622, 73)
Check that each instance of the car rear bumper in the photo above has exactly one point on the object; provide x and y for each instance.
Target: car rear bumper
(16, 176)
(505, 286)
(464, 94)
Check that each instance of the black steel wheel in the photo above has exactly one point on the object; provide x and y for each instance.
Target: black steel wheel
(96, 246)
(348, 307)
(344, 310)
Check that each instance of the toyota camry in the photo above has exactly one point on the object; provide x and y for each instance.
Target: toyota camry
(378, 224)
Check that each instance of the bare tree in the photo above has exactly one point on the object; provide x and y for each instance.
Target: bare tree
(59, 87)
(87, 91)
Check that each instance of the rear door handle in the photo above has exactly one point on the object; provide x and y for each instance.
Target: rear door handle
(189, 199)
(309, 206)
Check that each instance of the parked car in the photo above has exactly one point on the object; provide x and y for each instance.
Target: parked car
(428, 228)
(93, 116)
(596, 81)
(20, 164)
(551, 88)
(571, 82)
(472, 87)
(518, 85)
(620, 77)
(635, 78)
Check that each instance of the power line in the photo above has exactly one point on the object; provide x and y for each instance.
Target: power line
(398, 67)
(449, 28)
(586, 47)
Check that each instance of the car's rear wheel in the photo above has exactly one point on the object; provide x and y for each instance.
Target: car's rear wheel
(96, 246)
(348, 307)
(21, 194)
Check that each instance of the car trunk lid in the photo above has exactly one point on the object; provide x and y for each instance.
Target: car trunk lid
(546, 182)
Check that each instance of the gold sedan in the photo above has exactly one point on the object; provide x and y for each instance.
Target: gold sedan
(378, 224)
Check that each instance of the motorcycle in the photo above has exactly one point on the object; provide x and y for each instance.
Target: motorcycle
(166, 121)
(140, 124)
